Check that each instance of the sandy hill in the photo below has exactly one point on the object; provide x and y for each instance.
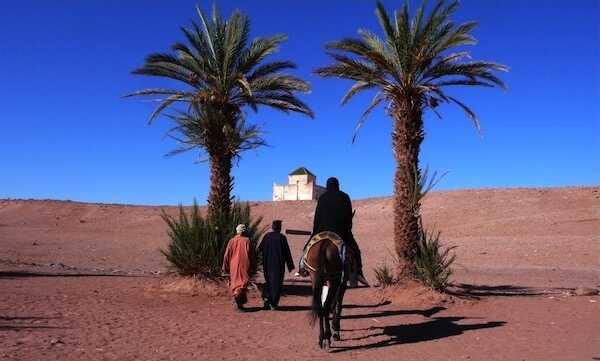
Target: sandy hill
(493, 228)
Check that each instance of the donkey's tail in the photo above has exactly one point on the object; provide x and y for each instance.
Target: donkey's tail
(318, 282)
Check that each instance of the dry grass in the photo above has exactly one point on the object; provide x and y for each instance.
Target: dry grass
(191, 286)
(415, 294)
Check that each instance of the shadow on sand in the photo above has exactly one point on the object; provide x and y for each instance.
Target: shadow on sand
(434, 329)
(252, 309)
(293, 289)
(290, 308)
(23, 323)
(384, 303)
(304, 288)
(29, 274)
(475, 291)
(425, 313)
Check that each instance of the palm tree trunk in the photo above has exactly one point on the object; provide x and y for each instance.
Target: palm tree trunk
(221, 184)
(406, 141)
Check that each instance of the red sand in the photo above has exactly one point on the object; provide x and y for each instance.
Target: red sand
(521, 250)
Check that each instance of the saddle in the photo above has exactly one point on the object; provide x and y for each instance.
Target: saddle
(333, 237)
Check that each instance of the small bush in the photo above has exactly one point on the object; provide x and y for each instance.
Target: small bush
(384, 275)
(433, 263)
(197, 244)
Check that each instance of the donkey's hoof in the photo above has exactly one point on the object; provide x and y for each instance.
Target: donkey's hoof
(325, 345)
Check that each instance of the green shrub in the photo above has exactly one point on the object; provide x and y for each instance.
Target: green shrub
(433, 263)
(384, 275)
(197, 244)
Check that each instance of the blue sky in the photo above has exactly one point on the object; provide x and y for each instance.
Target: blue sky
(68, 134)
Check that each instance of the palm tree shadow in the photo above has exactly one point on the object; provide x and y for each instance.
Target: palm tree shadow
(434, 329)
(22, 323)
(27, 274)
(476, 291)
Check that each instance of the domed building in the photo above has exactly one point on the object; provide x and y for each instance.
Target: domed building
(302, 185)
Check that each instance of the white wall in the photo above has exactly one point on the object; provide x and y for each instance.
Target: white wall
(293, 192)
(299, 187)
(278, 192)
(298, 179)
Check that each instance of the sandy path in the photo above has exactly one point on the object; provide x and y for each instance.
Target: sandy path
(117, 318)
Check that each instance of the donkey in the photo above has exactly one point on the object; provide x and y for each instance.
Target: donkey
(329, 272)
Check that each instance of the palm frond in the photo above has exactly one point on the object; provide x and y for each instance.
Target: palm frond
(470, 114)
(279, 82)
(385, 22)
(377, 99)
(412, 61)
(355, 89)
(354, 69)
(155, 92)
(258, 50)
(165, 103)
(208, 31)
(270, 68)
(236, 34)
(284, 103)
(222, 73)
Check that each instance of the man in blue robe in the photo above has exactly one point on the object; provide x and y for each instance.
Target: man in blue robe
(275, 256)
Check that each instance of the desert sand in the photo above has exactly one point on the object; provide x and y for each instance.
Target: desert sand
(85, 281)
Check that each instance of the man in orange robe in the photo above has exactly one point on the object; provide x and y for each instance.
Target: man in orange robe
(238, 263)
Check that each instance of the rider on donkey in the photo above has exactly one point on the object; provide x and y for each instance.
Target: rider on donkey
(334, 214)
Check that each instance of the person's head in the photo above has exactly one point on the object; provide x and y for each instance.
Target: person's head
(333, 184)
(240, 229)
(276, 226)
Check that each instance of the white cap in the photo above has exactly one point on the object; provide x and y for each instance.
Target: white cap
(241, 228)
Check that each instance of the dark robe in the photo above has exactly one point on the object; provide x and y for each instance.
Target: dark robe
(334, 212)
(275, 255)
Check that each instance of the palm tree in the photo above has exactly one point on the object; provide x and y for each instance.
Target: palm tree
(410, 68)
(221, 74)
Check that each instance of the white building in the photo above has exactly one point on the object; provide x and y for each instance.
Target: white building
(302, 185)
